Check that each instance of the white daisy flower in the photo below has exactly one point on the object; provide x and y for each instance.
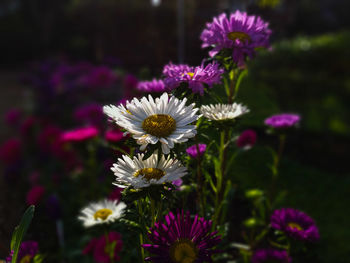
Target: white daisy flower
(102, 212)
(164, 119)
(219, 112)
(142, 173)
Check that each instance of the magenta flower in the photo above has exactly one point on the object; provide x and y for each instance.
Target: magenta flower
(271, 255)
(10, 151)
(27, 251)
(295, 223)
(196, 77)
(114, 135)
(182, 239)
(9, 258)
(80, 134)
(193, 152)
(103, 251)
(151, 86)
(282, 121)
(239, 32)
(35, 195)
(246, 139)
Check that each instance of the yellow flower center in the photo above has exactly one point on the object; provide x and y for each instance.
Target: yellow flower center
(295, 226)
(159, 125)
(183, 251)
(26, 259)
(150, 173)
(191, 74)
(239, 35)
(103, 213)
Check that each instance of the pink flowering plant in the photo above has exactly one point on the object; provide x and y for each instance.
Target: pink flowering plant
(149, 170)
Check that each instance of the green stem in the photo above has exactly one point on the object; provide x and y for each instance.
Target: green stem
(142, 251)
(153, 211)
(220, 181)
(276, 162)
(200, 182)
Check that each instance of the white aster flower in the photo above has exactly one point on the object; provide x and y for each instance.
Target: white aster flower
(219, 112)
(164, 119)
(142, 173)
(102, 212)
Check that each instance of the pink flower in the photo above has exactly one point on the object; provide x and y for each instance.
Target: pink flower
(114, 135)
(10, 151)
(247, 139)
(103, 251)
(192, 150)
(35, 195)
(80, 134)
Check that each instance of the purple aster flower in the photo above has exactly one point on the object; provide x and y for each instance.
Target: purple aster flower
(271, 255)
(27, 251)
(282, 121)
(240, 32)
(9, 258)
(295, 223)
(196, 77)
(182, 239)
(151, 86)
(192, 150)
(246, 139)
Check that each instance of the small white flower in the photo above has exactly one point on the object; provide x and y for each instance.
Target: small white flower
(102, 212)
(165, 120)
(139, 173)
(220, 112)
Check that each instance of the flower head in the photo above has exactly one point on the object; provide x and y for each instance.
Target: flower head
(271, 255)
(142, 173)
(193, 150)
(165, 120)
(102, 250)
(27, 251)
(196, 77)
(182, 239)
(219, 112)
(239, 32)
(246, 139)
(102, 212)
(295, 223)
(151, 86)
(35, 195)
(80, 134)
(282, 121)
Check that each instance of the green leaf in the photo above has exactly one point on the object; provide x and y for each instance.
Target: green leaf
(20, 231)
(38, 258)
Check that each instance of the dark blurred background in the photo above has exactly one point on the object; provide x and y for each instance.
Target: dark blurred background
(307, 72)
